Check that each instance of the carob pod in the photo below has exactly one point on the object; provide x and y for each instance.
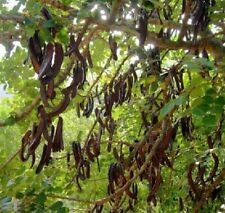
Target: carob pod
(98, 117)
(58, 144)
(89, 107)
(192, 184)
(154, 188)
(74, 48)
(79, 74)
(37, 46)
(34, 55)
(111, 178)
(43, 93)
(89, 58)
(61, 107)
(25, 141)
(50, 90)
(46, 153)
(68, 159)
(143, 26)
(55, 68)
(215, 167)
(45, 68)
(33, 160)
(113, 47)
(36, 138)
(88, 149)
(129, 88)
(77, 152)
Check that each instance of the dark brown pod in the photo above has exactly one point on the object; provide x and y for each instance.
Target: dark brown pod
(25, 141)
(42, 161)
(45, 68)
(58, 144)
(113, 47)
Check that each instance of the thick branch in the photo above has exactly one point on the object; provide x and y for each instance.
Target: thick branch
(213, 46)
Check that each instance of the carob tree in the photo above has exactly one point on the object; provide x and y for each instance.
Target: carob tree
(166, 69)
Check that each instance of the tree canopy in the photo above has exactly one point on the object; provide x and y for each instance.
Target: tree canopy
(113, 106)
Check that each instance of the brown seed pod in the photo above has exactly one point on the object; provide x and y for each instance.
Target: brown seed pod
(113, 47)
(89, 59)
(61, 107)
(33, 55)
(191, 183)
(89, 107)
(111, 178)
(45, 68)
(44, 96)
(33, 160)
(88, 150)
(58, 144)
(25, 141)
(215, 167)
(143, 25)
(37, 137)
(98, 117)
(155, 187)
(42, 161)
(77, 152)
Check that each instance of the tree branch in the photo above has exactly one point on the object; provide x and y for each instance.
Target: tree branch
(70, 199)
(213, 46)
(11, 17)
(115, 9)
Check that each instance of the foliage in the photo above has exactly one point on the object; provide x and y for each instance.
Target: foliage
(117, 106)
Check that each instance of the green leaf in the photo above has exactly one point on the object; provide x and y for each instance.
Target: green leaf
(45, 35)
(181, 100)
(48, 23)
(167, 108)
(211, 91)
(19, 195)
(62, 35)
(220, 101)
(209, 120)
(10, 120)
(29, 21)
(41, 198)
(57, 206)
(207, 99)
(148, 4)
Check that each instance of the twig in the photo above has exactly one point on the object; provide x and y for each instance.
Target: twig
(11, 17)
(10, 159)
(69, 198)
